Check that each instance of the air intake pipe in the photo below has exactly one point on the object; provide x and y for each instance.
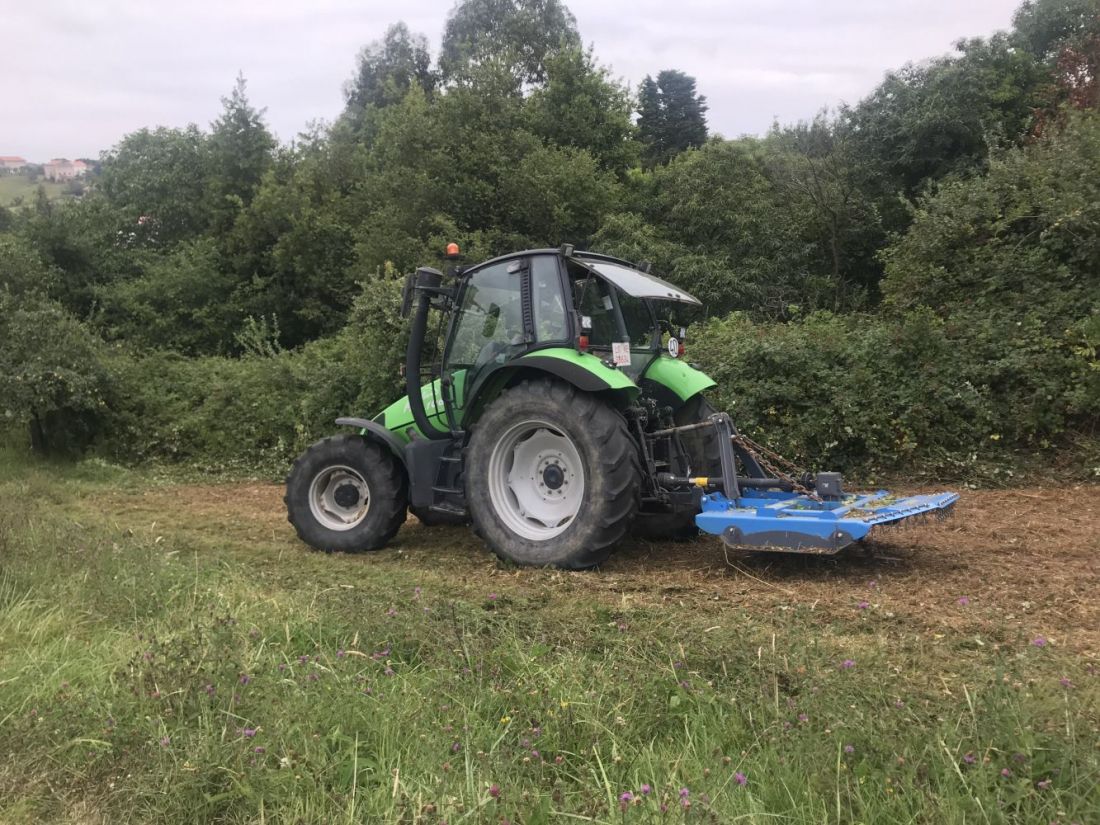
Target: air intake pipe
(428, 282)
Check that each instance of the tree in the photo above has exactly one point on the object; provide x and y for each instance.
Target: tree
(52, 375)
(240, 149)
(1046, 27)
(582, 107)
(160, 176)
(816, 176)
(517, 34)
(386, 70)
(671, 116)
(941, 117)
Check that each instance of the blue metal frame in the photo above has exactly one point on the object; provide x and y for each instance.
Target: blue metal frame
(787, 521)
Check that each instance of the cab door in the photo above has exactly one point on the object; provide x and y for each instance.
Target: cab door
(487, 329)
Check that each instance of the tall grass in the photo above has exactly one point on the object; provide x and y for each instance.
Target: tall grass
(145, 679)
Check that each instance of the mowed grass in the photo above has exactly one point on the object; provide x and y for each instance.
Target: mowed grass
(14, 187)
(167, 654)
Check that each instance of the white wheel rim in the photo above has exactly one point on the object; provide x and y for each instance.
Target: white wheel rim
(522, 490)
(323, 497)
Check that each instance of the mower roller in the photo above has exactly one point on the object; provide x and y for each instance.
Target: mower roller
(553, 408)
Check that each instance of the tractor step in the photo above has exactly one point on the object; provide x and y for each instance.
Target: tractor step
(789, 522)
(448, 509)
(448, 491)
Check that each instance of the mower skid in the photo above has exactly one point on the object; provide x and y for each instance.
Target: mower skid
(789, 522)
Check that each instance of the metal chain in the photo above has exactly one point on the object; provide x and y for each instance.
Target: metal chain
(759, 452)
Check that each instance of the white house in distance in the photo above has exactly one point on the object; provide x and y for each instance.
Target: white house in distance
(64, 169)
(12, 163)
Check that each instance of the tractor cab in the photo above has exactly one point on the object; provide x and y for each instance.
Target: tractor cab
(542, 301)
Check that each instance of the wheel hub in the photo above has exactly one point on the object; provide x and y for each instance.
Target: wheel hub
(552, 477)
(339, 497)
(536, 480)
(346, 495)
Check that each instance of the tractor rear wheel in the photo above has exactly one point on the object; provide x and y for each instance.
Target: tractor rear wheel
(346, 493)
(552, 476)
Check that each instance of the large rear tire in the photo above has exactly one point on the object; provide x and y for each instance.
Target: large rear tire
(346, 493)
(552, 476)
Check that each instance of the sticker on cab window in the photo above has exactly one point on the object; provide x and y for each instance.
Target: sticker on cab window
(620, 354)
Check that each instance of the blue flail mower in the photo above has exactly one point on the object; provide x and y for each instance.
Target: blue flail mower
(787, 521)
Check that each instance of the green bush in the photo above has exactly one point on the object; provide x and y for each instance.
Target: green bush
(257, 412)
(912, 392)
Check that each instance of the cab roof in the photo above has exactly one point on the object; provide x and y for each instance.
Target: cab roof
(623, 275)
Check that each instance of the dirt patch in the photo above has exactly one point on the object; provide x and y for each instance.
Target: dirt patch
(1008, 563)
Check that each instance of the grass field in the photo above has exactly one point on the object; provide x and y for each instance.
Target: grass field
(169, 651)
(13, 187)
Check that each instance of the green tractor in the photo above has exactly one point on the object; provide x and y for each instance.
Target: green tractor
(559, 415)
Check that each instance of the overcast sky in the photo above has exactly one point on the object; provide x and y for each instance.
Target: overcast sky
(80, 74)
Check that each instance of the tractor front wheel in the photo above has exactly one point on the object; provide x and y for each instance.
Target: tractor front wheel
(552, 476)
(346, 493)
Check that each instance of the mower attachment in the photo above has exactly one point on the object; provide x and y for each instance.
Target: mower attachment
(771, 509)
(793, 523)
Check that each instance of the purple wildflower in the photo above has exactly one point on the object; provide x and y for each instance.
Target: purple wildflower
(340, 653)
(625, 798)
(165, 742)
(494, 791)
(684, 793)
(1065, 682)
(303, 660)
(416, 592)
(849, 749)
(313, 677)
(872, 583)
(1005, 772)
(210, 690)
(740, 778)
(248, 733)
(456, 747)
(245, 679)
(802, 717)
(847, 664)
(1044, 784)
(970, 759)
(259, 749)
(863, 605)
(646, 789)
(1039, 641)
(388, 671)
(493, 597)
(963, 601)
(391, 612)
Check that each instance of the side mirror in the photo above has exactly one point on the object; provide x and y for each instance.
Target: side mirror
(491, 318)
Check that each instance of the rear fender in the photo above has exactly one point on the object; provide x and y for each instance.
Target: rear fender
(373, 431)
(584, 371)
